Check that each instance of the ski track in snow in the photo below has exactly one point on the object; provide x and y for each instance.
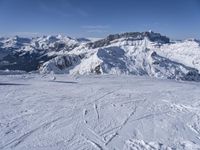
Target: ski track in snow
(98, 113)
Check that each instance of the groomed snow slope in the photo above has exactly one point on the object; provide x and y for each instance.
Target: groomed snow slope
(98, 113)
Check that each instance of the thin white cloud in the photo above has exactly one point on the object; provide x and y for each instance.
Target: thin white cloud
(96, 27)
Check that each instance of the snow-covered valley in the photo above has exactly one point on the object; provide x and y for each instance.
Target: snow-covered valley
(98, 112)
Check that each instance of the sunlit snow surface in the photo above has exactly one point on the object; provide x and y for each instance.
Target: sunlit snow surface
(98, 113)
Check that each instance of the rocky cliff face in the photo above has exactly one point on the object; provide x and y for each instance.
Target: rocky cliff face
(154, 37)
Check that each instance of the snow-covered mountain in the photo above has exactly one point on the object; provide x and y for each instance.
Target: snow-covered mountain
(135, 53)
(26, 54)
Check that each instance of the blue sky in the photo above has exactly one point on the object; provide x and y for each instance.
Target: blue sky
(177, 19)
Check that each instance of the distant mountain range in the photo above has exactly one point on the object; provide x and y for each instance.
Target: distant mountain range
(133, 53)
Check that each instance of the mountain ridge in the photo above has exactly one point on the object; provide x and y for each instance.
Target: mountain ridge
(134, 53)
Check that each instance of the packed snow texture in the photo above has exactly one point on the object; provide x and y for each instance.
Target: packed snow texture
(103, 112)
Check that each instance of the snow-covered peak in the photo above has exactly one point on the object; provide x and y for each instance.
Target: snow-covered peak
(15, 42)
(55, 43)
(57, 38)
